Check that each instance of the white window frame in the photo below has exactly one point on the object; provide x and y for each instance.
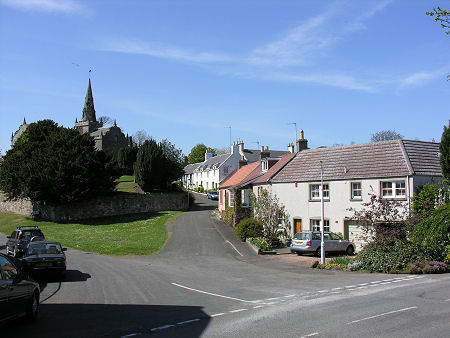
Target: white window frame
(264, 165)
(353, 190)
(314, 224)
(245, 198)
(396, 189)
(315, 188)
(230, 198)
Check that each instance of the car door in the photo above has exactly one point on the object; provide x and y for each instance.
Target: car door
(330, 245)
(16, 291)
(338, 243)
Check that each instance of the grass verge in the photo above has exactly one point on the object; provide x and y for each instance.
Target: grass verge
(128, 235)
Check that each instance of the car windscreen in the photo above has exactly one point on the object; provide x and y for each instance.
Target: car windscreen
(302, 235)
(27, 234)
(43, 249)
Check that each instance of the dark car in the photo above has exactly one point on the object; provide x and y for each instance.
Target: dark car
(44, 257)
(213, 195)
(18, 241)
(19, 295)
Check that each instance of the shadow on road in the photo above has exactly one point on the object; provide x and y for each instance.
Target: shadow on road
(110, 320)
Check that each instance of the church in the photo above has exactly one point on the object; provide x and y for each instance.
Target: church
(106, 138)
(110, 138)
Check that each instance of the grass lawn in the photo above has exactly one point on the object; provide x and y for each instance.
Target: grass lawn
(129, 235)
(126, 184)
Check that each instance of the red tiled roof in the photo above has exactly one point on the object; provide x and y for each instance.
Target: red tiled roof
(275, 168)
(242, 175)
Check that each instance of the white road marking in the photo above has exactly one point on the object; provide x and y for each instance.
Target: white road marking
(238, 310)
(289, 296)
(234, 247)
(272, 298)
(188, 321)
(213, 294)
(217, 314)
(311, 335)
(161, 327)
(447, 300)
(322, 291)
(337, 289)
(350, 286)
(130, 335)
(260, 306)
(362, 284)
(382, 314)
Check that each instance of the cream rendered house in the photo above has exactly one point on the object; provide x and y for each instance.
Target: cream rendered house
(390, 169)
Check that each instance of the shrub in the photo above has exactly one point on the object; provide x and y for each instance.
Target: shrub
(261, 243)
(355, 266)
(433, 232)
(447, 255)
(249, 227)
(340, 263)
(426, 267)
(391, 255)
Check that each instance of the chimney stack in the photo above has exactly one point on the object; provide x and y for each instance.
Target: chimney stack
(208, 155)
(242, 162)
(264, 152)
(291, 148)
(302, 143)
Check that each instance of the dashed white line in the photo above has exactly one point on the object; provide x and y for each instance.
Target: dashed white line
(238, 310)
(130, 335)
(188, 321)
(337, 289)
(162, 327)
(383, 314)
(350, 286)
(217, 314)
(311, 335)
(322, 291)
(258, 306)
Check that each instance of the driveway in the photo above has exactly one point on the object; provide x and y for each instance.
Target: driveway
(207, 283)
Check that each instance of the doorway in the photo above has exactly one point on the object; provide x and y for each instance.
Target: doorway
(297, 225)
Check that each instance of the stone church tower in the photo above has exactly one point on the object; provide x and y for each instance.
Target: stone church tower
(106, 138)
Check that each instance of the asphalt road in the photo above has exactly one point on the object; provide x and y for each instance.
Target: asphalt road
(207, 283)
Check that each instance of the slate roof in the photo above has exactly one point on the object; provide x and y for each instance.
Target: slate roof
(243, 175)
(189, 169)
(255, 155)
(424, 157)
(370, 160)
(213, 162)
(275, 168)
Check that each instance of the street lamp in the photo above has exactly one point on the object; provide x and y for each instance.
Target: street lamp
(322, 243)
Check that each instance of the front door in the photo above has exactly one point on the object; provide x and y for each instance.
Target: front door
(297, 225)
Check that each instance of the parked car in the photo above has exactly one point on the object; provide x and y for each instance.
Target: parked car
(213, 195)
(18, 241)
(44, 257)
(19, 295)
(310, 241)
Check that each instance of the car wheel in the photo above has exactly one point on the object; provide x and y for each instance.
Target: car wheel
(33, 307)
(350, 250)
(299, 253)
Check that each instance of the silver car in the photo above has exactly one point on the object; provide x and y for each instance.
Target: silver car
(309, 242)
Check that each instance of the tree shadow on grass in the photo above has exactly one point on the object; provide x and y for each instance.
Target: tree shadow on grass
(111, 320)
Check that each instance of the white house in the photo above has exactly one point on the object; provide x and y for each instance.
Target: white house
(390, 169)
(214, 169)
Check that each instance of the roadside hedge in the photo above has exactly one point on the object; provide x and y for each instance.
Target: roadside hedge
(249, 227)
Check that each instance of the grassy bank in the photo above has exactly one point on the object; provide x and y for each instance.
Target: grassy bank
(143, 234)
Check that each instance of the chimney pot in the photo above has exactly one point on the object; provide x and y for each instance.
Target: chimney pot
(302, 136)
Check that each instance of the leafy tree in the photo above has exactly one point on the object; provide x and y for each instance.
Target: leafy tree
(385, 135)
(126, 159)
(441, 16)
(444, 148)
(381, 218)
(149, 168)
(56, 165)
(197, 153)
(273, 215)
(140, 137)
(174, 161)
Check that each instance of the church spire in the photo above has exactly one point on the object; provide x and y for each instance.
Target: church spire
(89, 110)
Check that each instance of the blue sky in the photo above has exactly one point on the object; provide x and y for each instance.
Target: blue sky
(186, 69)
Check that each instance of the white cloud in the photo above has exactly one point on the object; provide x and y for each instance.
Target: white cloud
(134, 46)
(64, 6)
(421, 78)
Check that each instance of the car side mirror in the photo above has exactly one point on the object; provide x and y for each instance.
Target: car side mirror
(64, 249)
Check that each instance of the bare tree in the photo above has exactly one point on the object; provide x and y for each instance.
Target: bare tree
(222, 150)
(140, 137)
(385, 135)
(107, 121)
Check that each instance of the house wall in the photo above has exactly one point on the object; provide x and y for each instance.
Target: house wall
(299, 205)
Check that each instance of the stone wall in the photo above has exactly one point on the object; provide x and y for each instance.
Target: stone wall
(111, 205)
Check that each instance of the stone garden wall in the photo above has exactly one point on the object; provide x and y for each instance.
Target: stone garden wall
(110, 205)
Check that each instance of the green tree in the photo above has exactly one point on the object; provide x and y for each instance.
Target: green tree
(126, 159)
(441, 16)
(56, 165)
(444, 149)
(174, 161)
(149, 168)
(197, 153)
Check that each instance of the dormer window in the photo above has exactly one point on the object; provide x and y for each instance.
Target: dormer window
(265, 165)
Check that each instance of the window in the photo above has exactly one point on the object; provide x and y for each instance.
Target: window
(356, 191)
(8, 270)
(245, 198)
(315, 225)
(265, 165)
(231, 198)
(314, 191)
(393, 189)
(225, 170)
